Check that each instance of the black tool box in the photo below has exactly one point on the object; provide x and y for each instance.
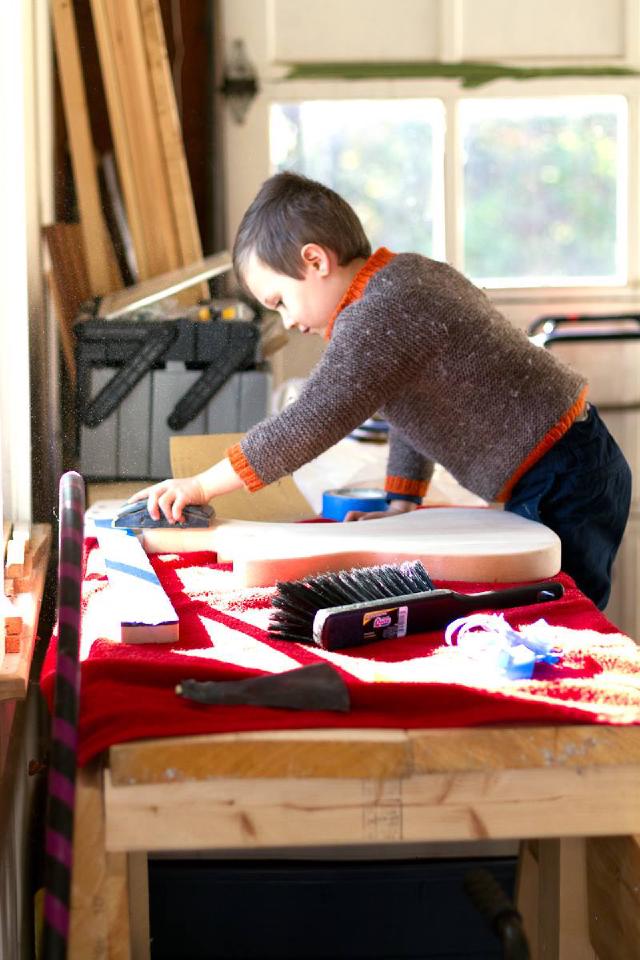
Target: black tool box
(142, 379)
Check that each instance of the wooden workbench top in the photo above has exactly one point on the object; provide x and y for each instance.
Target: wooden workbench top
(371, 752)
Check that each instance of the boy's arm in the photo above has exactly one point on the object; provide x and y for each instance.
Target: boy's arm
(329, 407)
(366, 361)
(408, 472)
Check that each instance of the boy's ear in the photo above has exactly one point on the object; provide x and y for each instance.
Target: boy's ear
(317, 257)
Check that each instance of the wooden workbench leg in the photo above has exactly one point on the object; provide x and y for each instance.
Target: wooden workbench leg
(117, 906)
(88, 934)
(563, 929)
(613, 878)
(526, 894)
(99, 889)
(138, 876)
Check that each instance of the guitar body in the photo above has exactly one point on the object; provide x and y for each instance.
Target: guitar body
(454, 543)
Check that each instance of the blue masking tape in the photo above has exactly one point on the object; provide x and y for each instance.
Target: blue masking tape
(337, 503)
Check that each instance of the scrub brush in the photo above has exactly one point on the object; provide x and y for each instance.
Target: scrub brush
(135, 516)
(354, 607)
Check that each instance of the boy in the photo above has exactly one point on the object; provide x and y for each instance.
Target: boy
(459, 385)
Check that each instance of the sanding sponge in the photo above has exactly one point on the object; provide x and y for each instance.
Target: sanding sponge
(135, 516)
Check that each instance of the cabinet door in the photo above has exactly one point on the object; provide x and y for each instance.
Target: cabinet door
(623, 608)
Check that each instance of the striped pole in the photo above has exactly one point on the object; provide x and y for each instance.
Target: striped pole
(64, 732)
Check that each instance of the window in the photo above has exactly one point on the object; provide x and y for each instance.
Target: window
(544, 190)
(539, 186)
(384, 156)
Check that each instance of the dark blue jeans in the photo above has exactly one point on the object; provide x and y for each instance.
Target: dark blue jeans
(581, 489)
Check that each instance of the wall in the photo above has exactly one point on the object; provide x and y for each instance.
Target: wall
(27, 373)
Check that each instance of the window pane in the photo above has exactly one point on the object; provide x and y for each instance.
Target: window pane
(545, 190)
(383, 156)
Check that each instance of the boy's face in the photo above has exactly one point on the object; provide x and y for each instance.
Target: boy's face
(306, 304)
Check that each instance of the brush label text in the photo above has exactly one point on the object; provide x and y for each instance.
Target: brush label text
(384, 624)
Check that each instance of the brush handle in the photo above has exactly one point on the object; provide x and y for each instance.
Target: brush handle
(510, 596)
(337, 627)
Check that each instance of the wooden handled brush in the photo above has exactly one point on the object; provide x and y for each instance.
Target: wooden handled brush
(350, 608)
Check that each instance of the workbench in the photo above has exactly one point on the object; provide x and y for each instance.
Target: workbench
(392, 783)
(314, 788)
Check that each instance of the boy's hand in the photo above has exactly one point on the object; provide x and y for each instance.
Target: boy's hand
(170, 497)
(395, 507)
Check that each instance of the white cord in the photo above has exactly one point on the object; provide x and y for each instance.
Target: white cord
(487, 637)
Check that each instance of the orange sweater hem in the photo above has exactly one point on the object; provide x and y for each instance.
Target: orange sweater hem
(244, 469)
(545, 444)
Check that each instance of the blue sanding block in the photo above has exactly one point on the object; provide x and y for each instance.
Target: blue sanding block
(135, 516)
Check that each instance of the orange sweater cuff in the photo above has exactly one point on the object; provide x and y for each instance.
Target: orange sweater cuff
(244, 469)
(409, 488)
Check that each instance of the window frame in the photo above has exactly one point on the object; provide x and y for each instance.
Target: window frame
(451, 92)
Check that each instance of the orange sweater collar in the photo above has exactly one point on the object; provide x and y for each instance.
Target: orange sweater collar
(376, 261)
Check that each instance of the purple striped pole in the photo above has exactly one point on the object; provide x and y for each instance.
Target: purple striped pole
(64, 728)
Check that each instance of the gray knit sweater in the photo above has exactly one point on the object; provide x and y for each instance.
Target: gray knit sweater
(459, 385)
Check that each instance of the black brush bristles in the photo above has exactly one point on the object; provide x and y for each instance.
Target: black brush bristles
(298, 601)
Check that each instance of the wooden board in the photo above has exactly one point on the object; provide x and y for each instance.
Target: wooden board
(103, 272)
(39, 544)
(143, 609)
(372, 753)
(614, 896)
(69, 283)
(16, 666)
(158, 288)
(133, 123)
(282, 500)
(147, 138)
(17, 560)
(170, 137)
(22, 532)
(9, 610)
(234, 813)
(453, 543)
(6, 536)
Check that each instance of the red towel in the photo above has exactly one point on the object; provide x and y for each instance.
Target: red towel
(128, 691)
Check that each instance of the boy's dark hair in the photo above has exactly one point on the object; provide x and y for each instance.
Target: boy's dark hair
(289, 211)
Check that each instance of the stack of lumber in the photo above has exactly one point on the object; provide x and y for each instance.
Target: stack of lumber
(146, 134)
(148, 146)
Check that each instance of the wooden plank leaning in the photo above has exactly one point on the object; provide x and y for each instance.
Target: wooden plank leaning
(139, 148)
(102, 267)
(170, 132)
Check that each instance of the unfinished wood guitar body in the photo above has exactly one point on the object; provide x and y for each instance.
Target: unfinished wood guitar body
(453, 543)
